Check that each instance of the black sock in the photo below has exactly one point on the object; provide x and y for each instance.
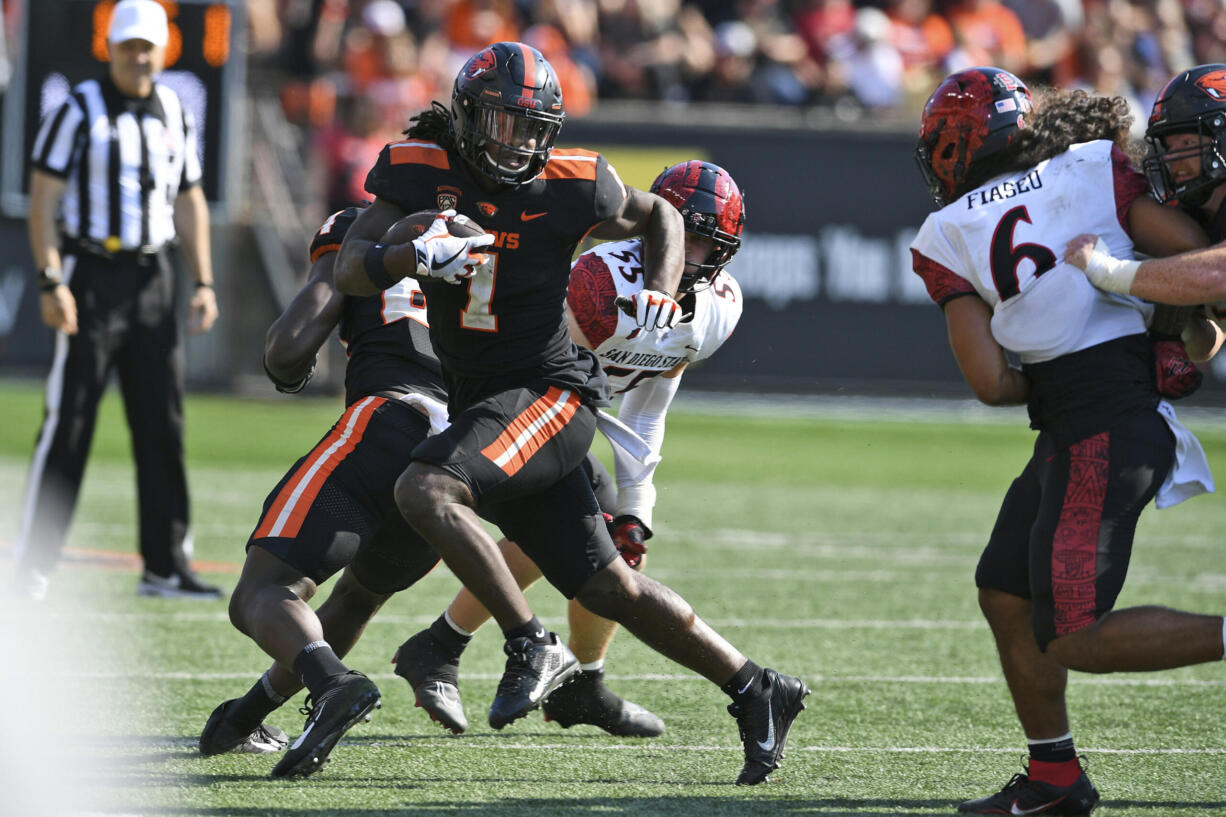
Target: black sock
(316, 664)
(532, 630)
(1054, 751)
(249, 711)
(447, 637)
(746, 683)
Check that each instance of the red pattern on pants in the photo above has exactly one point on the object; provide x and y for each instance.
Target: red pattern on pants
(1074, 558)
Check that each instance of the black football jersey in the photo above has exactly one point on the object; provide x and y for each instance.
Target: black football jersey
(385, 336)
(506, 325)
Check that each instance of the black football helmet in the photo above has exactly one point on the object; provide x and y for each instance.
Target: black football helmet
(506, 110)
(971, 115)
(1192, 102)
(711, 206)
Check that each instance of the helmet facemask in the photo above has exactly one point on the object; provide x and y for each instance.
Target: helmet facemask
(509, 145)
(1194, 192)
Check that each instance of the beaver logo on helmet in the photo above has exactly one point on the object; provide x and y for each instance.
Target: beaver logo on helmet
(480, 63)
(1213, 83)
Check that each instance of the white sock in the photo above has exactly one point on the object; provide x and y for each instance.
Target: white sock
(451, 623)
(593, 666)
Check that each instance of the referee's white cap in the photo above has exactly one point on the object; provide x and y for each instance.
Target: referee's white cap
(139, 20)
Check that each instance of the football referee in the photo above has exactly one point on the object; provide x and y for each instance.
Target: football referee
(115, 182)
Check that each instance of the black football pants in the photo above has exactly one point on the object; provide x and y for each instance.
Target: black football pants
(126, 322)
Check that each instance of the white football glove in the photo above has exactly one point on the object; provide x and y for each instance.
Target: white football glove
(448, 257)
(651, 309)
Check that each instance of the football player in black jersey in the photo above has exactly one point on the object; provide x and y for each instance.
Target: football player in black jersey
(1186, 164)
(333, 510)
(522, 395)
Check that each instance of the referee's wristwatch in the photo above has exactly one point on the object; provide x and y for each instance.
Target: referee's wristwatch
(49, 278)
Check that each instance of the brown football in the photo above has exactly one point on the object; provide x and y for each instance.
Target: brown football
(414, 224)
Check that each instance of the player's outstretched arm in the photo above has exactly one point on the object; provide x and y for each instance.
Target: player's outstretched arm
(980, 357)
(351, 274)
(1187, 279)
(293, 340)
(663, 231)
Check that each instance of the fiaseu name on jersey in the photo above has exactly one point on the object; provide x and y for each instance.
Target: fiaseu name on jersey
(838, 264)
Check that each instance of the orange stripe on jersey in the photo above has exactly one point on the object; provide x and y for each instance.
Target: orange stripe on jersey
(419, 153)
(323, 250)
(289, 509)
(534, 427)
(571, 164)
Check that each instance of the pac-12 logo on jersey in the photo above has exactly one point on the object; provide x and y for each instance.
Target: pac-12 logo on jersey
(481, 63)
(447, 201)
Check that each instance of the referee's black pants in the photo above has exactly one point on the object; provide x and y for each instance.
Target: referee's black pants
(127, 322)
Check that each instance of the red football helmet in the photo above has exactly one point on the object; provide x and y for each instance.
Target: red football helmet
(1192, 102)
(506, 110)
(971, 115)
(712, 206)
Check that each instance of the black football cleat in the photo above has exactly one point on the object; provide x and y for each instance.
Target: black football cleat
(339, 707)
(532, 673)
(587, 700)
(434, 674)
(764, 722)
(1021, 795)
(220, 736)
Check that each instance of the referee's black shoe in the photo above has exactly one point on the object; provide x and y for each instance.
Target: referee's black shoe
(350, 698)
(764, 721)
(532, 672)
(185, 585)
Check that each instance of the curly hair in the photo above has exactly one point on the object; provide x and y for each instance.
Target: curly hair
(433, 125)
(1061, 119)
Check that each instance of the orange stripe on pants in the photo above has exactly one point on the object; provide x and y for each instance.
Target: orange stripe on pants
(534, 427)
(290, 508)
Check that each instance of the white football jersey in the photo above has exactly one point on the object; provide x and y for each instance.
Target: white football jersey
(1007, 239)
(628, 354)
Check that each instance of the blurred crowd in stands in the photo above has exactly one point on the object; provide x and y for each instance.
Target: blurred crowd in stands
(354, 70)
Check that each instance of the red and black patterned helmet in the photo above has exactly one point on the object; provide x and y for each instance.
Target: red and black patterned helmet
(1192, 102)
(711, 206)
(971, 115)
(506, 110)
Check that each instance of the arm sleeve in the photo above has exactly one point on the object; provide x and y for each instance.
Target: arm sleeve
(943, 283)
(1129, 185)
(55, 146)
(591, 297)
(643, 409)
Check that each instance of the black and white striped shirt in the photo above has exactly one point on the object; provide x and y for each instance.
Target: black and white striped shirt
(124, 161)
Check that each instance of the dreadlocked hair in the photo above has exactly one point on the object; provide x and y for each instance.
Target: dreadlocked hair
(1061, 119)
(433, 125)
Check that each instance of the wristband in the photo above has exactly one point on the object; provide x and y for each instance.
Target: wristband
(203, 285)
(49, 278)
(1108, 273)
(372, 262)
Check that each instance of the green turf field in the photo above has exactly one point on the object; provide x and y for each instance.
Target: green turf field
(840, 550)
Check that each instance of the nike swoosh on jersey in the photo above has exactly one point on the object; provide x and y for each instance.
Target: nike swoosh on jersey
(768, 745)
(524, 215)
